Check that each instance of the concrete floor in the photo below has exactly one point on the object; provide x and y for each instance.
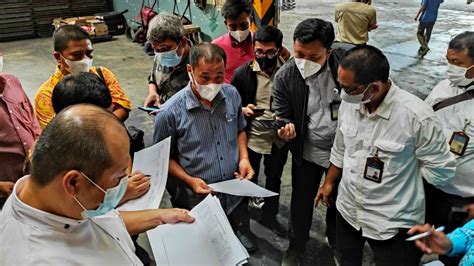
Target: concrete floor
(32, 62)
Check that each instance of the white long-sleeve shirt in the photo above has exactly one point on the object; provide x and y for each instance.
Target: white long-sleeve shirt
(29, 236)
(453, 120)
(410, 142)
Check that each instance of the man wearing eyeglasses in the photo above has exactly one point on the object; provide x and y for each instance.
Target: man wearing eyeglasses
(254, 81)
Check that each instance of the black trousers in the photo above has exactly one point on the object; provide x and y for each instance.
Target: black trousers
(424, 33)
(273, 168)
(394, 251)
(331, 214)
(305, 182)
(438, 212)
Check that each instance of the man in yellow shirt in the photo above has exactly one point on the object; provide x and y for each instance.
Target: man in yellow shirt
(73, 54)
(354, 21)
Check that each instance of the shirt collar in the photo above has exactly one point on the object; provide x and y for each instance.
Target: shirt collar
(193, 102)
(385, 109)
(38, 218)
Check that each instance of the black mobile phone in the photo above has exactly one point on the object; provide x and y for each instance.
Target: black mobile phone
(149, 109)
(272, 124)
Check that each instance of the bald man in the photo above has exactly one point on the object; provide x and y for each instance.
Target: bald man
(64, 212)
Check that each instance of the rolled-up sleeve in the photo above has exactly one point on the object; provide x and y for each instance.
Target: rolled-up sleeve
(432, 150)
(338, 148)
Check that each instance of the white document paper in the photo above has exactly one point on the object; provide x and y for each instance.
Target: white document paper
(153, 161)
(242, 187)
(208, 241)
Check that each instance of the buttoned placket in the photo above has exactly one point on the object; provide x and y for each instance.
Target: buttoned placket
(220, 144)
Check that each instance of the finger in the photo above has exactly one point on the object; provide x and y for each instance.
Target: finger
(184, 217)
(251, 106)
(144, 186)
(238, 176)
(316, 200)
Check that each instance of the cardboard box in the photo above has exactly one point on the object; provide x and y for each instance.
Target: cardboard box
(98, 27)
(94, 26)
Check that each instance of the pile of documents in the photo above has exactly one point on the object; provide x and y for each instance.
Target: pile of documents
(210, 240)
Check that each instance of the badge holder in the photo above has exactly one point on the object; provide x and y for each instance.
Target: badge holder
(374, 168)
(334, 107)
(459, 140)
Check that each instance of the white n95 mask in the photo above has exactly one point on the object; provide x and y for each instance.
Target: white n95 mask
(457, 75)
(356, 99)
(75, 67)
(208, 91)
(307, 68)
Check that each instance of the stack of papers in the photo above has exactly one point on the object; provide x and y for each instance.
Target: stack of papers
(153, 161)
(208, 241)
(244, 188)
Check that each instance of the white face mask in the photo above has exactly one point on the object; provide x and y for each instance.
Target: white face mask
(208, 91)
(75, 67)
(307, 68)
(356, 99)
(457, 75)
(1, 63)
(240, 35)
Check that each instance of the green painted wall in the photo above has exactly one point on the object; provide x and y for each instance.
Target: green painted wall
(210, 21)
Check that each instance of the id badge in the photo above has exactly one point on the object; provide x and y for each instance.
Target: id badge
(334, 107)
(374, 169)
(458, 143)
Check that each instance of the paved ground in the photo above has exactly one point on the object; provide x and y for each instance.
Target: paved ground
(32, 62)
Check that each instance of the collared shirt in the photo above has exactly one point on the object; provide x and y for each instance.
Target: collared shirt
(353, 20)
(260, 139)
(453, 119)
(169, 80)
(410, 141)
(18, 128)
(44, 105)
(462, 240)
(204, 140)
(237, 53)
(321, 129)
(33, 237)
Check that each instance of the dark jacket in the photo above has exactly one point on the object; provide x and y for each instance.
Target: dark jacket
(290, 98)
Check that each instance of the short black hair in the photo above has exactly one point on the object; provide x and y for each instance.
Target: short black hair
(269, 34)
(234, 8)
(66, 33)
(463, 41)
(74, 140)
(78, 88)
(210, 52)
(315, 29)
(367, 63)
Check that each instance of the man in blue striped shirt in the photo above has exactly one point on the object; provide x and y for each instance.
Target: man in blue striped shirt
(209, 143)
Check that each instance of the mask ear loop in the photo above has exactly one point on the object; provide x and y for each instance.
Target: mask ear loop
(93, 182)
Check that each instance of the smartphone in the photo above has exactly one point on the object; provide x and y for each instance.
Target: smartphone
(149, 109)
(272, 124)
(258, 110)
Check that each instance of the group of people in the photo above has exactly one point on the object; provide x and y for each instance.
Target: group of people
(390, 161)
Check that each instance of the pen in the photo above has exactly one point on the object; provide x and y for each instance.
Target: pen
(425, 234)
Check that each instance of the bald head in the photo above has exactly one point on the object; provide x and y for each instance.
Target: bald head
(78, 138)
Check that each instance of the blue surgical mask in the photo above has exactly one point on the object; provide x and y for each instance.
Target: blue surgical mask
(168, 59)
(111, 199)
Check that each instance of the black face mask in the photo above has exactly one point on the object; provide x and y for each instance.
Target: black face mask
(266, 63)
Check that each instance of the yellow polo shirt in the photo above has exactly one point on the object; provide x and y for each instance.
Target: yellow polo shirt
(353, 20)
(44, 105)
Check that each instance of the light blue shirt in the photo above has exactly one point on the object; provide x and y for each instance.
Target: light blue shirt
(204, 140)
(463, 243)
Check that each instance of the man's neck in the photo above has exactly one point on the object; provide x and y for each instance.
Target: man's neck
(374, 104)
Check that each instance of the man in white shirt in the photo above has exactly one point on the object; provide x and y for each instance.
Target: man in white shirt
(452, 99)
(387, 140)
(59, 215)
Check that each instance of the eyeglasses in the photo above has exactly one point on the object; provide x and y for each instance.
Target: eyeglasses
(268, 54)
(350, 90)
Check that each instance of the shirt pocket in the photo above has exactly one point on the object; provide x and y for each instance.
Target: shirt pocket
(391, 153)
(21, 111)
(350, 138)
(231, 126)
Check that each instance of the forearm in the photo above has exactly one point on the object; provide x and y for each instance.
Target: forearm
(178, 172)
(152, 88)
(138, 222)
(332, 175)
(120, 112)
(242, 142)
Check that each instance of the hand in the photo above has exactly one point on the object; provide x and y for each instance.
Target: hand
(245, 170)
(416, 18)
(470, 210)
(153, 99)
(323, 195)
(249, 111)
(138, 184)
(6, 188)
(287, 132)
(199, 186)
(437, 242)
(172, 216)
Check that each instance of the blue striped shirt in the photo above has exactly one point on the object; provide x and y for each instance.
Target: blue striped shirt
(204, 140)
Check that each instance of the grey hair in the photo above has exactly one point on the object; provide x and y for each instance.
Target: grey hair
(164, 26)
(210, 52)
